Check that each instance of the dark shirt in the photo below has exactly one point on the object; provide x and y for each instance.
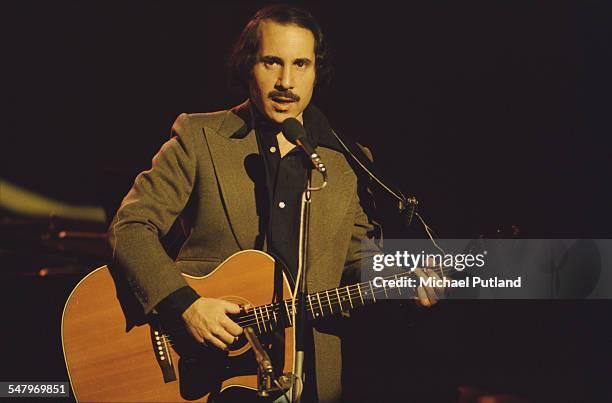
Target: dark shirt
(285, 179)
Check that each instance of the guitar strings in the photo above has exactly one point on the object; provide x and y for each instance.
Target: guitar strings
(346, 292)
(343, 294)
(277, 309)
(438, 270)
(271, 326)
(251, 317)
(252, 320)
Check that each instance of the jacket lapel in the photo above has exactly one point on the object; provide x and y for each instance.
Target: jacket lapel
(234, 153)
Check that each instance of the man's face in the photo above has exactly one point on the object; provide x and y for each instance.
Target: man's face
(284, 73)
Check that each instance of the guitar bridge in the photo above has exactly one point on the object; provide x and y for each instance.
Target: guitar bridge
(161, 349)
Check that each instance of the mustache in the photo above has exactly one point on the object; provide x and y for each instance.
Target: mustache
(284, 94)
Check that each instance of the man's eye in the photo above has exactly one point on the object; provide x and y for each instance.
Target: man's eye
(271, 63)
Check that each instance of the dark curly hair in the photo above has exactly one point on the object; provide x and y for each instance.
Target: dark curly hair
(244, 53)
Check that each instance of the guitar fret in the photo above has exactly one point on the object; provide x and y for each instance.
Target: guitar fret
(398, 288)
(329, 302)
(360, 296)
(263, 320)
(372, 290)
(314, 314)
(268, 315)
(339, 300)
(385, 291)
(320, 304)
(348, 290)
(256, 319)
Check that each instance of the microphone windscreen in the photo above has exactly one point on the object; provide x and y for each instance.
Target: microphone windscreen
(293, 130)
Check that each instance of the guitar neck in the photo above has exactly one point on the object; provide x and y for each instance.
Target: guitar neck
(321, 304)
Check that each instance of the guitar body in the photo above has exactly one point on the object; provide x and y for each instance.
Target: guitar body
(107, 364)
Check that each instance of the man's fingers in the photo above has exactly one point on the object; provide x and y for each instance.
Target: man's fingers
(431, 295)
(196, 335)
(430, 291)
(439, 290)
(219, 338)
(427, 296)
(230, 307)
(208, 322)
(231, 327)
(215, 341)
(432, 273)
(422, 297)
(223, 335)
(421, 293)
(419, 272)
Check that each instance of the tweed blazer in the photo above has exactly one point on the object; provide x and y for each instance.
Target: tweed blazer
(202, 173)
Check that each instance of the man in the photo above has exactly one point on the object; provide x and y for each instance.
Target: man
(212, 172)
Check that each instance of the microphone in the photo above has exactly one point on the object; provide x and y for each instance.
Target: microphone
(295, 133)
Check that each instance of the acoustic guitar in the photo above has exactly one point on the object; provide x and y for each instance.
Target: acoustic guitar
(107, 364)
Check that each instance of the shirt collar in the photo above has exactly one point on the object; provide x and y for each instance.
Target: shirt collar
(316, 124)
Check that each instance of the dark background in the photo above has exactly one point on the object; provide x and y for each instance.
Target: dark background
(492, 113)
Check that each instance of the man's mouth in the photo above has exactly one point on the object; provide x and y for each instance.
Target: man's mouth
(283, 100)
(282, 104)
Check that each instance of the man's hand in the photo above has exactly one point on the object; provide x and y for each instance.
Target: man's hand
(428, 296)
(207, 321)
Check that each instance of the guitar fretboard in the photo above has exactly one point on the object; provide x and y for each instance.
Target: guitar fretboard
(266, 318)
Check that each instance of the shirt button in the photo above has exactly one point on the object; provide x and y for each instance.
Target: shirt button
(281, 204)
(272, 149)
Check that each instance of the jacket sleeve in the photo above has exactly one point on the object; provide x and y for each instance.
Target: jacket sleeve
(147, 213)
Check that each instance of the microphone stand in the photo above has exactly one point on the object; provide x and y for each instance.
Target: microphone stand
(299, 312)
(266, 383)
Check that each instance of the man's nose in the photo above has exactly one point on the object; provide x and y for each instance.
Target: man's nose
(285, 80)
